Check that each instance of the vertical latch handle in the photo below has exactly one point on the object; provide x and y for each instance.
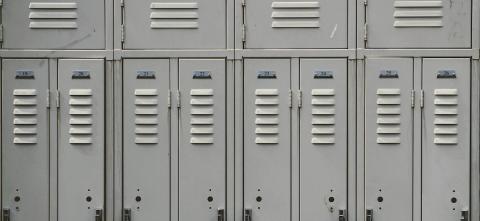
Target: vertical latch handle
(127, 215)
(465, 216)
(369, 215)
(6, 214)
(98, 215)
(221, 215)
(342, 215)
(248, 215)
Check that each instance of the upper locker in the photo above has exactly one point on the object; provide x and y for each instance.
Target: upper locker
(399, 23)
(295, 24)
(175, 24)
(81, 139)
(53, 24)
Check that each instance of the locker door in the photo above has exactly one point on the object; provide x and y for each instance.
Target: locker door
(296, 24)
(54, 24)
(175, 24)
(446, 139)
(388, 139)
(398, 23)
(81, 139)
(323, 139)
(202, 149)
(25, 145)
(146, 139)
(267, 139)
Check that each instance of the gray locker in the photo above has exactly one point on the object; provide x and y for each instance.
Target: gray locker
(399, 23)
(446, 139)
(323, 139)
(25, 145)
(296, 24)
(175, 24)
(146, 139)
(267, 139)
(53, 24)
(81, 139)
(389, 139)
(202, 139)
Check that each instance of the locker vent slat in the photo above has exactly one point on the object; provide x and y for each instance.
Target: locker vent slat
(80, 111)
(323, 116)
(25, 116)
(202, 116)
(266, 111)
(53, 15)
(146, 116)
(296, 14)
(446, 116)
(409, 14)
(388, 116)
(174, 15)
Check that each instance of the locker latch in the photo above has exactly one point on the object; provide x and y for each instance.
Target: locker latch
(6, 214)
(465, 216)
(127, 214)
(98, 215)
(342, 215)
(248, 215)
(221, 215)
(369, 216)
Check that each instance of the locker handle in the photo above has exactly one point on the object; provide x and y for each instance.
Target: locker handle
(369, 216)
(127, 215)
(248, 215)
(465, 216)
(221, 215)
(98, 215)
(6, 214)
(342, 215)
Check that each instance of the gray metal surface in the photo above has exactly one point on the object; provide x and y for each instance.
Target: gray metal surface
(54, 24)
(446, 138)
(295, 24)
(389, 138)
(25, 144)
(146, 138)
(179, 24)
(202, 139)
(267, 138)
(323, 138)
(81, 138)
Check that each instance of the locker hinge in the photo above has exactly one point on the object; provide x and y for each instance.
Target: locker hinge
(412, 98)
(422, 98)
(365, 32)
(247, 216)
(98, 214)
(48, 99)
(365, 3)
(6, 214)
(1, 3)
(122, 30)
(369, 215)
(290, 98)
(57, 99)
(300, 97)
(1, 32)
(465, 215)
(122, 3)
(169, 99)
(221, 215)
(127, 215)
(342, 215)
(244, 26)
(244, 33)
(178, 100)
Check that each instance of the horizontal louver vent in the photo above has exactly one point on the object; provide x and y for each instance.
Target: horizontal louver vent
(174, 15)
(446, 120)
(201, 120)
(267, 120)
(296, 15)
(418, 14)
(146, 116)
(25, 116)
(81, 121)
(323, 116)
(388, 116)
(61, 15)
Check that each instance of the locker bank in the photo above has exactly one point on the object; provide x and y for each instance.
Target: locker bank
(240, 110)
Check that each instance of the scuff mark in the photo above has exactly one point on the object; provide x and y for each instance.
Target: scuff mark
(334, 31)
